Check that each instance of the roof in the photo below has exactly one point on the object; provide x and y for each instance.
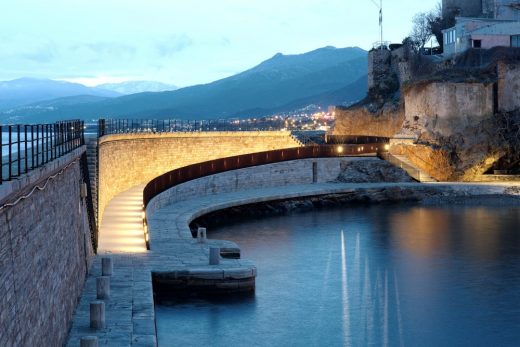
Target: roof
(484, 26)
(507, 28)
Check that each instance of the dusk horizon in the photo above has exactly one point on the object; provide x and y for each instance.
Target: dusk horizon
(175, 43)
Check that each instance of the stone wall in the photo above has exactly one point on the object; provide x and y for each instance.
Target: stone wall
(45, 253)
(360, 121)
(128, 160)
(463, 8)
(263, 176)
(508, 87)
(379, 66)
(447, 107)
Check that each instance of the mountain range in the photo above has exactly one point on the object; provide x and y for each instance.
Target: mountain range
(326, 76)
(134, 87)
(24, 91)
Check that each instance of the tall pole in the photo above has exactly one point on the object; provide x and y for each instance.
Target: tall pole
(381, 20)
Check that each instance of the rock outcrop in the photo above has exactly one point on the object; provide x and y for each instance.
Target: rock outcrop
(372, 171)
(465, 117)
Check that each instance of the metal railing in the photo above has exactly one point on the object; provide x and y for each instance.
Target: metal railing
(129, 126)
(191, 172)
(354, 139)
(27, 147)
(381, 45)
(91, 213)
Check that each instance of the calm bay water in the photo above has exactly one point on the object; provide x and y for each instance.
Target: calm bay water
(380, 276)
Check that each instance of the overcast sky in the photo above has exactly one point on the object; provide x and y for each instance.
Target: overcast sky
(183, 42)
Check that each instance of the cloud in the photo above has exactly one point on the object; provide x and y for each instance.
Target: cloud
(174, 44)
(44, 54)
(111, 49)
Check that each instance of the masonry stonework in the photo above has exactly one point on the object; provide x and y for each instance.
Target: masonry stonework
(258, 177)
(129, 160)
(45, 250)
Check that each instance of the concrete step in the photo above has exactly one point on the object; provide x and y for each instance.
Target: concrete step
(404, 163)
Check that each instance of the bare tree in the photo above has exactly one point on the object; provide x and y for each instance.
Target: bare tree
(421, 31)
(439, 22)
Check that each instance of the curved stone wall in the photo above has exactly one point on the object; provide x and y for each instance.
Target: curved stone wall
(132, 159)
(257, 177)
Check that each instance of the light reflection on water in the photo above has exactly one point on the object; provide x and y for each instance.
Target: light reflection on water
(381, 276)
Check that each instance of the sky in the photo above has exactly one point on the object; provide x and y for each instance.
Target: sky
(182, 42)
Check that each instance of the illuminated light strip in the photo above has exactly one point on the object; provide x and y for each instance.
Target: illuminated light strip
(145, 229)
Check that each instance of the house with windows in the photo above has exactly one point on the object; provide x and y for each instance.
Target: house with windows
(480, 33)
(481, 24)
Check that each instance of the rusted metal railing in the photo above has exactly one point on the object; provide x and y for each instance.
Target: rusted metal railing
(171, 179)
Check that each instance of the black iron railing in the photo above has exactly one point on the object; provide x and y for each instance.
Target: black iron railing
(191, 172)
(128, 126)
(27, 147)
(91, 214)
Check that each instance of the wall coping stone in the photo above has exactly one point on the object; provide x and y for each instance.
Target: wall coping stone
(187, 134)
(11, 189)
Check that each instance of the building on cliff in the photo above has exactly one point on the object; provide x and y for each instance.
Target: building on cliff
(491, 9)
(481, 24)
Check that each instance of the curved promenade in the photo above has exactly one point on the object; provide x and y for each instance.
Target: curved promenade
(130, 310)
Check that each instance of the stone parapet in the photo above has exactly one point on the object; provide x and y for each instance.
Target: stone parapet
(45, 252)
(128, 160)
(257, 177)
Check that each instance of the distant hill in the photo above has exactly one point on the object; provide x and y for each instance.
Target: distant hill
(134, 87)
(278, 83)
(26, 91)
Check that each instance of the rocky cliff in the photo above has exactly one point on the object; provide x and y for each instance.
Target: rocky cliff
(464, 115)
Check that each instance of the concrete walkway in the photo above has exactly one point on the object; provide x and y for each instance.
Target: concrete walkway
(130, 310)
(121, 229)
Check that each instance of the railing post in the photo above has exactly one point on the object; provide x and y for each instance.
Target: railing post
(10, 153)
(101, 127)
(1, 155)
(18, 140)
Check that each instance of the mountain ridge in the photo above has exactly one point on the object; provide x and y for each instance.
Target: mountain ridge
(26, 90)
(134, 87)
(271, 85)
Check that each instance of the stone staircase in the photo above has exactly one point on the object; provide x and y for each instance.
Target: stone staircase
(404, 163)
(91, 143)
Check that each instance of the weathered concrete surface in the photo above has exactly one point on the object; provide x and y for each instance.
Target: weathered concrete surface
(385, 122)
(508, 87)
(132, 159)
(45, 251)
(446, 108)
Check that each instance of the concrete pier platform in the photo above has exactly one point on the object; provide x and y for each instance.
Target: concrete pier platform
(177, 259)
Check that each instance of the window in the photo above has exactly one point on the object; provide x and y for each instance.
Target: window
(477, 43)
(515, 41)
(449, 37)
